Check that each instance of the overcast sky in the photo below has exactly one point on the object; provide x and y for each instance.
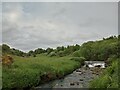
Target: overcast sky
(27, 26)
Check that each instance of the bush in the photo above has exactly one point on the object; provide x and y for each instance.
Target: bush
(76, 54)
(61, 53)
(34, 55)
(111, 59)
(79, 59)
(5, 48)
(52, 54)
(7, 60)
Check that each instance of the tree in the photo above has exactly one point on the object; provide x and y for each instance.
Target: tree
(60, 48)
(48, 50)
(61, 53)
(51, 54)
(39, 51)
(30, 53)
(5, 48)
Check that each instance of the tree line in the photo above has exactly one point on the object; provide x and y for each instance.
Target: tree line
(91, 50)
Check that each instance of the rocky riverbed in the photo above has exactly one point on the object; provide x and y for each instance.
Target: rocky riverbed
(80, 78)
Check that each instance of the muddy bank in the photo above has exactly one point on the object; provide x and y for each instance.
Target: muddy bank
(79, 78)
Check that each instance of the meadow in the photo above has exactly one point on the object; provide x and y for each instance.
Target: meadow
(31, 71)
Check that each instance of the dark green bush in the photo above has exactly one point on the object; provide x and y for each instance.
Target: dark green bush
(76, 54)
(52, 54)
(61, 53)
(79, 59)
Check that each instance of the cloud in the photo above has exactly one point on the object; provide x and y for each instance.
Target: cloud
(28, 26)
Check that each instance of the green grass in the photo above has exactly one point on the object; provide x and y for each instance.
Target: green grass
(29, 71)
(109, 78)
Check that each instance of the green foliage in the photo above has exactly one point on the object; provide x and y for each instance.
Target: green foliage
(109, 78)
(98, 50)
(101, 83)
(77, 53)
(5, 48)
(17, 52)
(49, 50)
(29, 71)
(34, 55)
(39, 51)
(60, 48)
(79, 59)
(61, 53)
(52, 54)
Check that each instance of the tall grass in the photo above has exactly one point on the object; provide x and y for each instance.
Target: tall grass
(109, 78)
(28, 72)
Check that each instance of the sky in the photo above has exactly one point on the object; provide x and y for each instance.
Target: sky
(30, 25)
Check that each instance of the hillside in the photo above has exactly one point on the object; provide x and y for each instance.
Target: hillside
(29, 69)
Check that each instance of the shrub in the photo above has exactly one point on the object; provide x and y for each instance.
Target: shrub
(61, 53)
(5, 48)
(76, 54)
(34, 55)
(79, 59)
(52, 54)
(7, 60)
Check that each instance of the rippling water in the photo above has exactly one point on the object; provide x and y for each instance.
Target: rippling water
(80, 78)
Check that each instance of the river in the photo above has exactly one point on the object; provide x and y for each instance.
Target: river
(80, 78)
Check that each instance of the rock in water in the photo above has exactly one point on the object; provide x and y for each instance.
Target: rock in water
(81, 79)
(72, 84)
(77, 83)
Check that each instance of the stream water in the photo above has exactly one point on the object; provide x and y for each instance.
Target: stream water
(80, 78)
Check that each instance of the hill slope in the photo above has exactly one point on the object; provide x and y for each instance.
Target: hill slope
(29, 69)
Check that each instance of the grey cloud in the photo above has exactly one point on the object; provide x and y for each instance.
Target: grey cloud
(33, 25)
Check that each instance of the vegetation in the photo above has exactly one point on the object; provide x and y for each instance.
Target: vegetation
(98, 50)
(41, 65)
(30, 71)
(7, 60)
(109, 78)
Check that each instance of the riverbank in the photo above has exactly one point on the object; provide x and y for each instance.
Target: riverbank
(80, 78)
(27, 72)
(109, 78)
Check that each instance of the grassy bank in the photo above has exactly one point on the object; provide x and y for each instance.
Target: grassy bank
(30, 71)
(109, 78)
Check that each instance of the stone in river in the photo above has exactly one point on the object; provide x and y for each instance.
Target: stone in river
(77, 83)
(81, 79)
(61, 85)
(97, 74)
(72, 84)
(78, 70)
